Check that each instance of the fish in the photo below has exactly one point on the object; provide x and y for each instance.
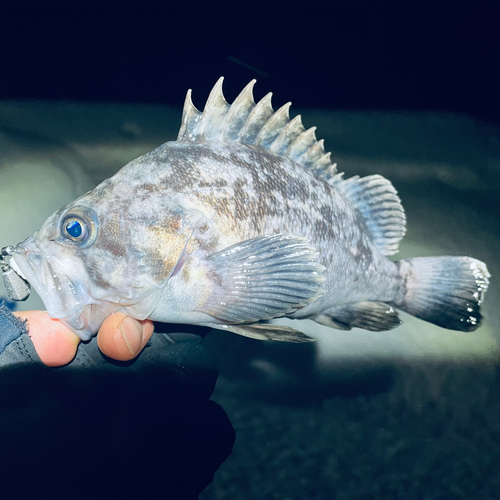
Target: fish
(241, 220)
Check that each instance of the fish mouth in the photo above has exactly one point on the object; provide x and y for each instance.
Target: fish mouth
(63, 297)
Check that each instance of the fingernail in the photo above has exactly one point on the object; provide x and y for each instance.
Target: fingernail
(132, 334)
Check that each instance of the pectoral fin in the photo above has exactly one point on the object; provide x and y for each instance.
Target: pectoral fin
(263, 278)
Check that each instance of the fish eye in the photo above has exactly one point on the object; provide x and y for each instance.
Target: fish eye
(79, 225)
(74, 229)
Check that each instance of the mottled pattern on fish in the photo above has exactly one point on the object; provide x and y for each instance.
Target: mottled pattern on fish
(244, 218)
(244, 192)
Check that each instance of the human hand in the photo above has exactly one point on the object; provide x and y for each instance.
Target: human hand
(95, 412)
(120, 337)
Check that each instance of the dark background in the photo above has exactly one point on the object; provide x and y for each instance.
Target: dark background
(440, 56)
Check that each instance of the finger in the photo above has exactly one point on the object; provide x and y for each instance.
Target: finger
(122, 337)
(55, 344)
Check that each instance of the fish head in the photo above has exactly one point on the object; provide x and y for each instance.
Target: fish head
(100, 254)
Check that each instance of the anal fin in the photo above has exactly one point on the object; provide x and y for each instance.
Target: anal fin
(323, 319)
(373, 316)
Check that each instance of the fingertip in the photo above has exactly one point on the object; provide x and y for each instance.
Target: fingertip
(122, 337)
(55, 344)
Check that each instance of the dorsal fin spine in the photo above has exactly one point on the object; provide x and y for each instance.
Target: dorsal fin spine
(330, 174)
(254, 125)
(238, 113)
(258, 116)
(294, 128)
(215, 110)
(302, 143)
(324, 163)
(312, 155)
(190, 118)
(273, 126)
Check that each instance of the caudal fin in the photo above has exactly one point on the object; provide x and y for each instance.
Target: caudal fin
(446, 291)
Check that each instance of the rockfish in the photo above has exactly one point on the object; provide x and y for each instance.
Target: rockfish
(242, 219)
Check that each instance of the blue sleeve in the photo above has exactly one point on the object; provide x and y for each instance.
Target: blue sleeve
(11, 328)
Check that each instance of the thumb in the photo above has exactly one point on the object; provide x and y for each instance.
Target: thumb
(122, 337)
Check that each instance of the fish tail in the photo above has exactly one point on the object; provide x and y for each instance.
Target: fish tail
(446, 291)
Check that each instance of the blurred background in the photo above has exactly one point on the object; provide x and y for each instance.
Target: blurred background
(405, 89)
(338, 55)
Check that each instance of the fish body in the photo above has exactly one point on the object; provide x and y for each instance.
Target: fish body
(241, 220)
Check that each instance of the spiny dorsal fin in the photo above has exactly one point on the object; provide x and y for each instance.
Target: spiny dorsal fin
(377, 201)
(255, 124)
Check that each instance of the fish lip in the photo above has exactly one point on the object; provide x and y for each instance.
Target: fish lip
(22, 264)
(35, 265)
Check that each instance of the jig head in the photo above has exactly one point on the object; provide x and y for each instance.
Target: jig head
(17, 288)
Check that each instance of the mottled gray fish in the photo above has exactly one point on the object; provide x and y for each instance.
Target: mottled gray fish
(243, 219)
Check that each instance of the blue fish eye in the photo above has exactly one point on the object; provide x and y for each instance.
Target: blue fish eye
(74, 229)
(80, 226)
